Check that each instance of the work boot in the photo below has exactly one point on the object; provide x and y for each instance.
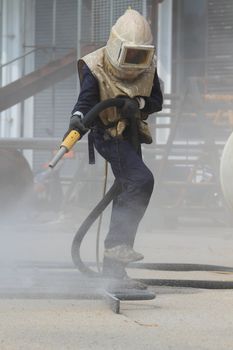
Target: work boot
(119, 285)
(119, 280)
(123, 253)
(113, 269)
(133, 284)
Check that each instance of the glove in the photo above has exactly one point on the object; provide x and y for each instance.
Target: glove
(141, 102)
(129, 108)
(76, 124)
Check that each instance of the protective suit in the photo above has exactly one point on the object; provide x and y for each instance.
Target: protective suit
(126, 67)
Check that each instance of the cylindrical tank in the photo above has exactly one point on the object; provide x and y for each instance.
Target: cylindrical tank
(226, 171)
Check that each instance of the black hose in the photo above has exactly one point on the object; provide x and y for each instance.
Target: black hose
(181, 267)
(99, 107)
(109, 196)
(204, 284)
(87, 223)
(114, 191)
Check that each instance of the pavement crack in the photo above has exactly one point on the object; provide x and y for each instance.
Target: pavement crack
(146, 324)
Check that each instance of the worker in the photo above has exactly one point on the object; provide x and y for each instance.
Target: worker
(125, 67)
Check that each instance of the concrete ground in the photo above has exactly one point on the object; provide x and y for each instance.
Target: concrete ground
(35, 262)
(200, 320)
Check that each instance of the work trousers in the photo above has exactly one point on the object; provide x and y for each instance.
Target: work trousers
(136, 182)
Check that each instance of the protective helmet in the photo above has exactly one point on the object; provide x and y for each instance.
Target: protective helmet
(129, 47)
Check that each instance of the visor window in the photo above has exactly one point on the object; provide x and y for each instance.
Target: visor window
(135, 56)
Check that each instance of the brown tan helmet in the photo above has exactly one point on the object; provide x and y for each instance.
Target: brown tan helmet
(129, 48)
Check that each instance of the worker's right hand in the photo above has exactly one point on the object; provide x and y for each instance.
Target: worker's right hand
(76, 124)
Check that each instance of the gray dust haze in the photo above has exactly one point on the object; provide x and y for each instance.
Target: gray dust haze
(40, 211)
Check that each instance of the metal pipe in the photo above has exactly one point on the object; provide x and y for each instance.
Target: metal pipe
(62, 151)
(38, 143)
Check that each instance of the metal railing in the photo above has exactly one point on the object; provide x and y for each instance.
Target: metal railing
(52, 52)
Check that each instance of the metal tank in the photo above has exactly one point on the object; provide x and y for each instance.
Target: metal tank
(226, 171)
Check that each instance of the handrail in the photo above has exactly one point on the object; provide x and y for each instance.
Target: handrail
(48, 74)
(50, 47)
(18, 58)
(36, 48)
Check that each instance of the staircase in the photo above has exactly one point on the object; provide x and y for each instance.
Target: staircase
(40, 79)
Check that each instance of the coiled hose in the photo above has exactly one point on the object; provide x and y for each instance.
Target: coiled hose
(104, 202)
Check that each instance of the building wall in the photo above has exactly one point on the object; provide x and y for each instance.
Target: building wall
(219, 48)
(202, 42)
(12, 16)
(56, 31)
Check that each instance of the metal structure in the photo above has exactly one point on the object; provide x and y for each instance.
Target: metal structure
(187, 166)
(40, 79)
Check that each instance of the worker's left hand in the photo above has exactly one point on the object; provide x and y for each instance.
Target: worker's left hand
(129, 108)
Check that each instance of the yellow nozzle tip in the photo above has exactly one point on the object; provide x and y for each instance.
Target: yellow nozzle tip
(71, 139)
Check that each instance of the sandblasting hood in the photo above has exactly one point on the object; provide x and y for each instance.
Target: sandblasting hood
(129, 45)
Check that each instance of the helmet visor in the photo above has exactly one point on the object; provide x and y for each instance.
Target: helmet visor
(136, 56)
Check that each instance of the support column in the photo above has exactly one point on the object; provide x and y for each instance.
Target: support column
(29, 40)
(164, 55)
(11, 49)
(27, 119)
